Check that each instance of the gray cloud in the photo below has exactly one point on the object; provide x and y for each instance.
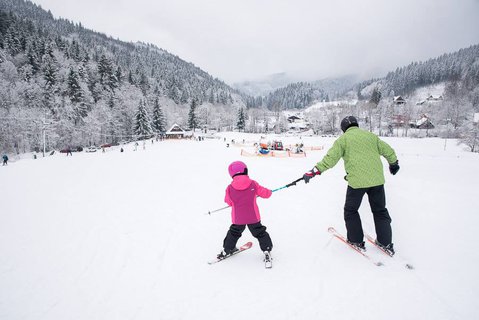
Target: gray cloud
(245, 39)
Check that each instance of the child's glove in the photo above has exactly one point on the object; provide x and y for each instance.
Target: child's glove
(394, 167)
(311, 174)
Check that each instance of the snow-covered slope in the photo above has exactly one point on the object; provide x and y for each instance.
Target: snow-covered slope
(125, 236)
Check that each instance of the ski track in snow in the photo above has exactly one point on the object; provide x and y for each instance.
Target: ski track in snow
(125, 236)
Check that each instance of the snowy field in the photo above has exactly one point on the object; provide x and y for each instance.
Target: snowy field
(125, 236)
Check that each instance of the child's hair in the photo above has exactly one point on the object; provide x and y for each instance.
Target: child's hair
(237, 168)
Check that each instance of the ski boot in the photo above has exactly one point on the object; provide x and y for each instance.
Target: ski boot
(225, 253)
(389, 249)
(358, 245)
(268, 260)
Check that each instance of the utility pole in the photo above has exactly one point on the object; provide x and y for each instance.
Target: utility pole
(45, 127)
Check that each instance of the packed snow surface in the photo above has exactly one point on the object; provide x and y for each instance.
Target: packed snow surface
(126, 236)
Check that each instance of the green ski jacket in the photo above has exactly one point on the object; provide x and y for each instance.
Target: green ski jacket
(361, 151)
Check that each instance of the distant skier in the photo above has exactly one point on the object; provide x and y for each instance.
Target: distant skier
(361, 151)
(5, 160)
(241, 196)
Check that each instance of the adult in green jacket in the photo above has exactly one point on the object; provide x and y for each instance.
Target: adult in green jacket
(361, 151)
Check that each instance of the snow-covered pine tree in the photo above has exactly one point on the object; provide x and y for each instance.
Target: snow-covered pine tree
(74, 90)
(159, 121)
(142, 121)
(375, 96)
(107, 73)
(373, 104)
(50, 71)
(192, 121)
(240, 125)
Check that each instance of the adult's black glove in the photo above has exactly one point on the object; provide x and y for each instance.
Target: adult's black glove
(311, 174)
(394, 167)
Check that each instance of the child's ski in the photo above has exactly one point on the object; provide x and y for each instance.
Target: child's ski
(268, 260)
(343, 239)
(244, 247)
(372, 241)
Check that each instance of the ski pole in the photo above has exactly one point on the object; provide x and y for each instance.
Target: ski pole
(289, 184)
(283, 187)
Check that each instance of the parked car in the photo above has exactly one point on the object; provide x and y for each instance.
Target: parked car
(72, 149)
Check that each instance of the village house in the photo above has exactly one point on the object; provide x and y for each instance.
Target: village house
(398, 100)
(175, 132)
(296, 122)
(293, 118)
(423, 123)
(431, 98)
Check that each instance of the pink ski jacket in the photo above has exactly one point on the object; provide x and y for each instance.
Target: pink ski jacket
(241, 196)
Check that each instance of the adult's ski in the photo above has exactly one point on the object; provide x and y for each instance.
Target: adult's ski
(395, 257)
(244, 247)
(341, 238)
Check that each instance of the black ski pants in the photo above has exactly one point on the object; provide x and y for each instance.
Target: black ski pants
(257, 230)
(382, 220)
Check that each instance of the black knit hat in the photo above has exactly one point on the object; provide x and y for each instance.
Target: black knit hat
(349, 121)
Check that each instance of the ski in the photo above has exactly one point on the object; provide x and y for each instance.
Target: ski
(244, 247)
(340, 237)
(373, 242)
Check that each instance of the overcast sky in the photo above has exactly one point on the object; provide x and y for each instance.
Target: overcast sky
(237, 40)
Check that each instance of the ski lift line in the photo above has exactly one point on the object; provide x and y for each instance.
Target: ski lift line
(75, 129)
(17, 118)
(36, 121)
(105, 134)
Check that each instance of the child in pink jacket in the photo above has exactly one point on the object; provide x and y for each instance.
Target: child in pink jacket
(241, 196)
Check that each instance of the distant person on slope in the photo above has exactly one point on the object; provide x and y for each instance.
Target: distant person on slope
(241, 196)
(5, 159)
(361, 151)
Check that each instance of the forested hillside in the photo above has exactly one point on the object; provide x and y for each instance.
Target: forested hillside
(461, 67)
(302, 94)
(85, 85)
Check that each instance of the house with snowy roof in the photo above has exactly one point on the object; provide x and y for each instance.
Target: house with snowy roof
(399, 100)
(432, 98)
(293, 118)
(176, 132)
(423, 123)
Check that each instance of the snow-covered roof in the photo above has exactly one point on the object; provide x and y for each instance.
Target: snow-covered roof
(176, 129)
(433, 98)
(424, 119)
(399, 99)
